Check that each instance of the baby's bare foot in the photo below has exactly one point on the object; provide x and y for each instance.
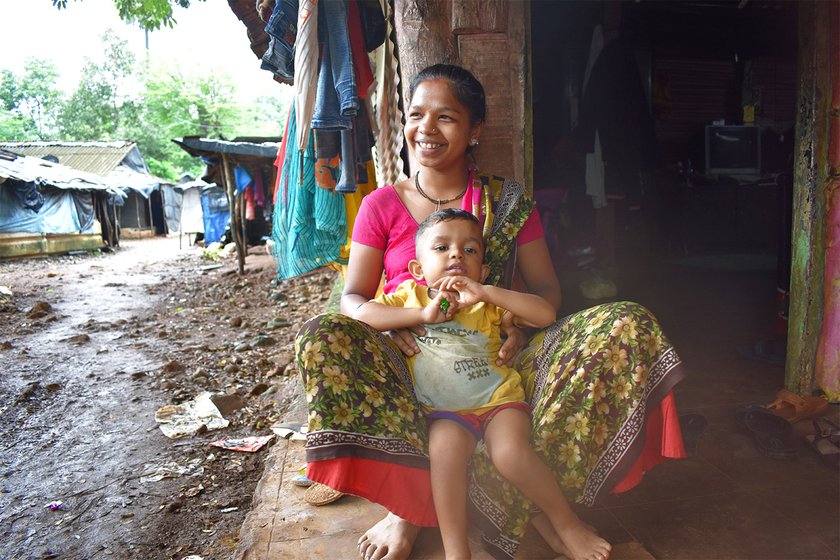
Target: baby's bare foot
(583, 544)
(390, 539)
(546, 530)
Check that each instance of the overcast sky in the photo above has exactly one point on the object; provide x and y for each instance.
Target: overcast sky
(207, 36)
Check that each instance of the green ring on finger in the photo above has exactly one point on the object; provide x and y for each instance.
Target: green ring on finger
(444, 305)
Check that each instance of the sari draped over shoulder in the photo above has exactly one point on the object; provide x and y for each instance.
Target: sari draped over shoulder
(599, 383)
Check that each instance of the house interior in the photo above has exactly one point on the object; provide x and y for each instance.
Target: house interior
(701, 96)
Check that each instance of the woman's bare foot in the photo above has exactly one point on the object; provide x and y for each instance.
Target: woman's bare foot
(390, 539)
(583, 544)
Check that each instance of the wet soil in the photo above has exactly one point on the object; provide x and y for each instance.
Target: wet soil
(91, 345)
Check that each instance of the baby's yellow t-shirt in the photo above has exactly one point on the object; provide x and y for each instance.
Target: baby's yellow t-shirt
(456, 368)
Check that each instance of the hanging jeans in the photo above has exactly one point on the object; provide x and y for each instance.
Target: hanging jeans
(336, 102)
(279, 58)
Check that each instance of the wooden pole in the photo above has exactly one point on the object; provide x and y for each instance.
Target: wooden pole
(230, 188)
(828, 352)
(810, 179)
(243, 232)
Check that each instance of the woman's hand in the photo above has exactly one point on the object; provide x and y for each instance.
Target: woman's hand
(404, 339)
(514, 343)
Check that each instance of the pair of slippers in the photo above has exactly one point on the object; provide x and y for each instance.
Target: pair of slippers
(316, 494)
(773, 435)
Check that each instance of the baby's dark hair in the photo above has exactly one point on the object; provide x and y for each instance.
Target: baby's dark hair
(466, 88)
(446, 215)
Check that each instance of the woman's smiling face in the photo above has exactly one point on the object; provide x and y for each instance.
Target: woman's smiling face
(438, 127)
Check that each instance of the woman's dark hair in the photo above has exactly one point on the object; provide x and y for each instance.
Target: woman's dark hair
(465, 86)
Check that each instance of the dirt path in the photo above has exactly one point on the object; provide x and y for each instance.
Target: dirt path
(90, 347)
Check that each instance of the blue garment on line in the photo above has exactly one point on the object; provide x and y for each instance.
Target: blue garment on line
(310, 223)
(243, 179)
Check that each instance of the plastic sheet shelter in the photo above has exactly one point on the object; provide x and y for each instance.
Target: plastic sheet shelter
(47, 207)
(120, 162)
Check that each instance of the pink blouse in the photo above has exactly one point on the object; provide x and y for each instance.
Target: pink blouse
(385, 223)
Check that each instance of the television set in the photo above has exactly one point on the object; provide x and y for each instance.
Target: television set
(733, 150)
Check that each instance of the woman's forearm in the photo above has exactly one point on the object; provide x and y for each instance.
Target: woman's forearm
(349, 303)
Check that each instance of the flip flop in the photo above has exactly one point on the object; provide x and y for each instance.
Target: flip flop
(826, 441)
(794, 408)
(302, 480)
(773, 435)
(320, 495)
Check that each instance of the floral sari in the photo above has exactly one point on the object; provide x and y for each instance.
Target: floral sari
(599, 383)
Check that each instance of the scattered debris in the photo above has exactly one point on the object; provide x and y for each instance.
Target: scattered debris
(290, 430)
(227, 404)
(171, 469)
(248, 444)
(177, 421)
(55, 506)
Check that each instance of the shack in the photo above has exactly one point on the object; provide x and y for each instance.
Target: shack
(47, 208)
(122, 165)
(244, 169)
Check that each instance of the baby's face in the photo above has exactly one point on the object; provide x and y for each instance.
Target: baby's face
(451, 248)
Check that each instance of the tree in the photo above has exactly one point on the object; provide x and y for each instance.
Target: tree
(97, 110)
(30, 101)
(148, 14)
(266, 116)
(174, 105)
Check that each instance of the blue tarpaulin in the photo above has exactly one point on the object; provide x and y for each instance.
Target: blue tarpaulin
(214, 205)
(63, 211)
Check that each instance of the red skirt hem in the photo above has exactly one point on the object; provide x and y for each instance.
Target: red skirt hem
(404, 491)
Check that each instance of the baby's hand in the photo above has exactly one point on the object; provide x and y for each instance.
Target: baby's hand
(441, 308)
(469, 291)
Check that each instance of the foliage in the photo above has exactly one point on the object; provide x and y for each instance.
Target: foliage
(265, 117)
(29, 101)
(148, 14)
(97, 109)
(174, 105)
(119, 99)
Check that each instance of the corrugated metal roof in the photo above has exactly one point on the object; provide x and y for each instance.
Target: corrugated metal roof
(93, 157)
(43, 172)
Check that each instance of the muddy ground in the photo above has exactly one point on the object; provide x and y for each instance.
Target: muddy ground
(91, 345)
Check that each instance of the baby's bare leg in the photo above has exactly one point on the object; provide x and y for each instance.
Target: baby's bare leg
(450, 448)
(508, 437)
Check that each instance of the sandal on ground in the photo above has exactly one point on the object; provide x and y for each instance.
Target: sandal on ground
(321, 495)
(692, 427)
(773, 435)
(826, 441)
(302, 480)
(794, 408)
